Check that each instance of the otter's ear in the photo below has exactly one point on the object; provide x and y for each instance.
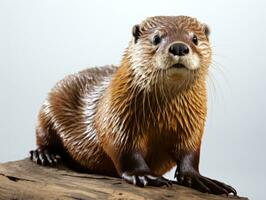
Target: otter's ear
(136, 32)
(207, 30)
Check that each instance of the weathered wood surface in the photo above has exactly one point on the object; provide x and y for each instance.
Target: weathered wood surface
(26, 180)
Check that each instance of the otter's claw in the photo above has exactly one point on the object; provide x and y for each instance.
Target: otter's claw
(226, 187)
(204, 184)
(145, 180)
(44, 157)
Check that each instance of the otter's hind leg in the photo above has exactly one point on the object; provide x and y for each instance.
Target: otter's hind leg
(45, 154)
(48, 143)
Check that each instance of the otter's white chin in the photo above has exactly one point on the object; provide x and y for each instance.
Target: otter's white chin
(177, 71)
(189, 62)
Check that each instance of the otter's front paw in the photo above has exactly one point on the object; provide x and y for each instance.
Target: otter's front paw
(198, 182)
(144, 180)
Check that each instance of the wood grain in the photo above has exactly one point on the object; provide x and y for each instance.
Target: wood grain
(26, 180)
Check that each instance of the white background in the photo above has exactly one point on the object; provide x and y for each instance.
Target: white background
(42, 41)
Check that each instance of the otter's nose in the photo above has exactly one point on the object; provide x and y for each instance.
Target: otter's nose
(179, 49)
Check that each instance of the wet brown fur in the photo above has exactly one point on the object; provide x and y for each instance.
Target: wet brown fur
(159, 122)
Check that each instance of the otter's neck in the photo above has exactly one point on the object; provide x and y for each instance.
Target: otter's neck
(147, 107)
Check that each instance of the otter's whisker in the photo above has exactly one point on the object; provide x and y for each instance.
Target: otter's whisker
(156, 84)
(162, 85)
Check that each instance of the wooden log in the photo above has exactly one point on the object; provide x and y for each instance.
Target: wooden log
(26, 180)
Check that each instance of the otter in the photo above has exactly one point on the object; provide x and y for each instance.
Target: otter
(140, 119)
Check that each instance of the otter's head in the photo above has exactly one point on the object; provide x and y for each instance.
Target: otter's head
(174, 48)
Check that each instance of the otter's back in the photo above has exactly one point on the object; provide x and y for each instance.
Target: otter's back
(69, 110)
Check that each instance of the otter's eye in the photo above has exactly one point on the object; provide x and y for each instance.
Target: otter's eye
(156, 40)
(195, 40)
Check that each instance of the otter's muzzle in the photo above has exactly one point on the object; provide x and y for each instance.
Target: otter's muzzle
(178, 49)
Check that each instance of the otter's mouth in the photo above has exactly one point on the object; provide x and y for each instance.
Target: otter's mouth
(178, 66)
